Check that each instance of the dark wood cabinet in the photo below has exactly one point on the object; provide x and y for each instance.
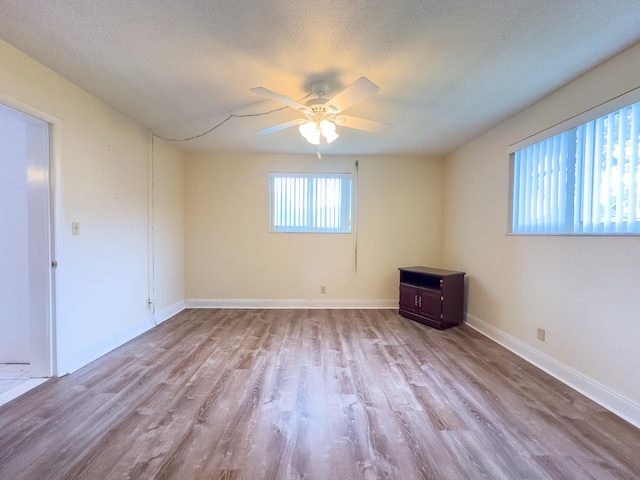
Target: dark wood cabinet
(432, 296)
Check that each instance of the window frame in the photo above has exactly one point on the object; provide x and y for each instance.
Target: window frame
(605, 108)
(345, 215)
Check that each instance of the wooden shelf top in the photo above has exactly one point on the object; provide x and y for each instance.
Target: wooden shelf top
(430, 271)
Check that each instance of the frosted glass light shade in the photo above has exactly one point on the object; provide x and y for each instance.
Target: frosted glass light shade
(328, 130)
(311, 131)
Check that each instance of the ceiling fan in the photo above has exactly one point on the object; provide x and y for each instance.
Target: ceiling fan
(321, 115)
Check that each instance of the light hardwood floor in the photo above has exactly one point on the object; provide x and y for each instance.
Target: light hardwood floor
(311, 394)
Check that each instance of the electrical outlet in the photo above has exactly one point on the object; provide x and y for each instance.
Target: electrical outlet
(323, 290)
(541, 334)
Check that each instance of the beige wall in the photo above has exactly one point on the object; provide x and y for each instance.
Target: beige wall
(582, 289)
(167, 230)
(230, 253)
(101, 178)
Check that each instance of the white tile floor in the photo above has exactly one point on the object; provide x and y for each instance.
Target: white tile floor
(15, 379)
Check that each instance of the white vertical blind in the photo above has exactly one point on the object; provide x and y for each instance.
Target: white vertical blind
(585, 180)
(312, 203)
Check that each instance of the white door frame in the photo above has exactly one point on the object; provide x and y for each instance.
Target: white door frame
(42, 354)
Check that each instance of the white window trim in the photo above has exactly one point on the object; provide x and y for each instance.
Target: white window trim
(616, 103)
(333, 175)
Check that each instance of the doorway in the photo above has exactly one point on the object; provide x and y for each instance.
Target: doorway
(26, 278)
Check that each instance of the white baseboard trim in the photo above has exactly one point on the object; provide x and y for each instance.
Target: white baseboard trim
(292, 303)
(597, 392)
(166, 313)
(88, 355)
(15, 392)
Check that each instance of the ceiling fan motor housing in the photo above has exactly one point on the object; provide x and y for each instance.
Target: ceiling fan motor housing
(319, 106)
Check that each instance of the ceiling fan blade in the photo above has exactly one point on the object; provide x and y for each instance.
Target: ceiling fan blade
(357, 91)
(282, 126)
(363, 124)
(280, 98)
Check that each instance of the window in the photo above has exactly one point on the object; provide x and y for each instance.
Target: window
(583, 181)
(311, 203)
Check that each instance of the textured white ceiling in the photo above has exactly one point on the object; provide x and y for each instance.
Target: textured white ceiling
(448, 70)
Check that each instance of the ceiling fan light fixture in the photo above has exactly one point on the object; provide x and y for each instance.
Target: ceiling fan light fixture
(312, 130)
(328, 130)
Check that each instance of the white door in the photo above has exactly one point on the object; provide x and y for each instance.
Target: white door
(25, 243)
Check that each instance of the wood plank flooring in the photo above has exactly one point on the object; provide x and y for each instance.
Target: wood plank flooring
(311, 394)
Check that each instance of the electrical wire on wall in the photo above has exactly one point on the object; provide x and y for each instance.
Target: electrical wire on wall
(151, 287)
(151, 240)
(355, 219)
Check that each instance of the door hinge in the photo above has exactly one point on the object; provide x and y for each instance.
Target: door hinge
(54, 264)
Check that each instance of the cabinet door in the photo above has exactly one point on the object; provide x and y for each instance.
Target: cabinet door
(430, 303)
(408, 298)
